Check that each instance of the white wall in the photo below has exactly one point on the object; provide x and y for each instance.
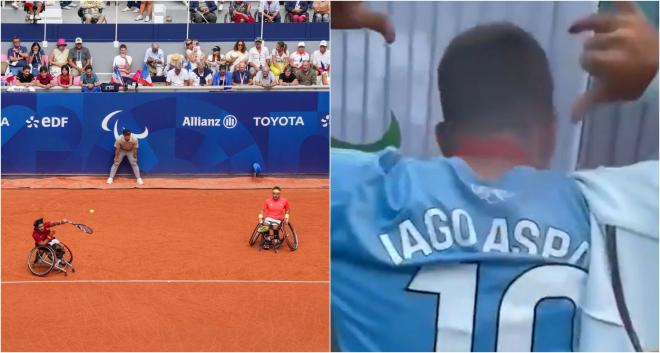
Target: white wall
(371, 78)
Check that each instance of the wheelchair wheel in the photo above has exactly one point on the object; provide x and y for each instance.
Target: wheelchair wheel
(255, 235)
(41, 260)
(290, 236)
(68, 255)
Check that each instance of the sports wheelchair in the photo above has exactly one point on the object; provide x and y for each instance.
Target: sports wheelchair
(287, 234)
(42, 260)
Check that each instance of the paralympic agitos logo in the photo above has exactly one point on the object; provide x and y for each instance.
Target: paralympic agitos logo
(104, 126)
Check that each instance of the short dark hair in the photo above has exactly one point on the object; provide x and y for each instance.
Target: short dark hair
(15, 37)
(123, 46)
(125, 132)
(277, 188)
(495, 77)
(43, 69)
(26, 67)
(38, 222)
(89, 67)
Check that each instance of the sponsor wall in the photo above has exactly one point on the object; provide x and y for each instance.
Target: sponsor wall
(179, 133)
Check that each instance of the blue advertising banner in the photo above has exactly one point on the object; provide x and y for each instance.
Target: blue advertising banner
(179, 133)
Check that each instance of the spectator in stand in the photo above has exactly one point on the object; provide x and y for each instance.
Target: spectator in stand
(36, 58)
(79, 57)
(321, 11)
(197, 49)
(297, 10)
(241, 77)
(173, 60)
(132, 6)
(321, 62)
(222, 77)
(192, 54)
(258, 57)
(123, 63)
(239, 12)
(44, 79)
(305, 75)
(202, 75)
(34, 8)
(89, 81)
(25, 77)
(178, 76)
(91, 10)
(58, 57)
(299, 56)
(146, 10)
(17, 56)
(216, 59)
(288, 78)
(65, 80)
(155, 59)
(237, 55)
(67, 5)
(279, 59)
(203, 12)
(265, 78)
(270, 10)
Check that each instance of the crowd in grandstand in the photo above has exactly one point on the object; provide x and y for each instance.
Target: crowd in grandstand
(72, 67)
(91, 11)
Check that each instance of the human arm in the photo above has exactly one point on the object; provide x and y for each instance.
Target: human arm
(60, 222)
(621, 56)
(116, 158)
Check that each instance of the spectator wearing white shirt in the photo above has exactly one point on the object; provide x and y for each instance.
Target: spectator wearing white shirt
(201, 75)
(265, 78)
(258, 57)
(178, 77)
(299, 56)
(321, 62)
(270, 10)
(191, 54)
(216, 59)
(123, 63)
(279, 59)
(236, 56)
(155, 59)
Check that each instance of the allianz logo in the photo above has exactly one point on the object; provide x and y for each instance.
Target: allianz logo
(278, 121)
(228, 121)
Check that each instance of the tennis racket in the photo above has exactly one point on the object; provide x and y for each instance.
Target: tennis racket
(85, 228)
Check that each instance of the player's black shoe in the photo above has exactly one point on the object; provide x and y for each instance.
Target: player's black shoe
(267, 245)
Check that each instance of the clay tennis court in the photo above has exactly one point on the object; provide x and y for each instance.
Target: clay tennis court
(168, 267)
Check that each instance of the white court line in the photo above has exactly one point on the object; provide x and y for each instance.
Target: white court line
(166, 281)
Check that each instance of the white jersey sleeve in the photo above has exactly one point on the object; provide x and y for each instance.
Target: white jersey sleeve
(626, 198)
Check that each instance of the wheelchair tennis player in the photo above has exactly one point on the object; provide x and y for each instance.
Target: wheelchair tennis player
(276, 209)
(45, 236)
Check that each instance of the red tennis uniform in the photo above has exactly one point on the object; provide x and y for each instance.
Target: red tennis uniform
(41, 235)
(276, 208)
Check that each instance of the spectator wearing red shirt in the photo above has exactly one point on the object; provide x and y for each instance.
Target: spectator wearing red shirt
(42, 233)
(65, 80)
(44, 79)
(276, 210)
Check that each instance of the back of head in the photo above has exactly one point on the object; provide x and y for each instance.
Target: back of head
(495, 78)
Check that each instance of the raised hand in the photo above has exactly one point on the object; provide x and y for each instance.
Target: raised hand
(622, 56)
(356, 15)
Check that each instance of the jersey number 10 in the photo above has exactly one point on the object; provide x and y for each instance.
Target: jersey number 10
(456, 288)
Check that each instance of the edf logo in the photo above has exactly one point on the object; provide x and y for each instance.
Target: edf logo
(47, 121)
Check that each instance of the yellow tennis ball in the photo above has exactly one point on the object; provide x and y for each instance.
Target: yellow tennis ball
(91, 211)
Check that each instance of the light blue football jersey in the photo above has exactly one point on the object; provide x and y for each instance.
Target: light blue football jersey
(428, 257)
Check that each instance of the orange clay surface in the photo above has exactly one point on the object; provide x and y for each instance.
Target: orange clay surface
(223, 294)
